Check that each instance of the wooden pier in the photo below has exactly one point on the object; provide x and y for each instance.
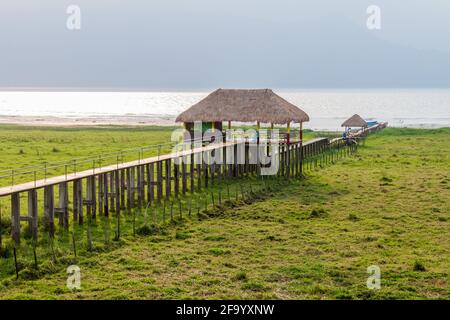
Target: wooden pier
(110, 189)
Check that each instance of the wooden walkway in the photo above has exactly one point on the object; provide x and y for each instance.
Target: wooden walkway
(6, 191)
(125, 186)
(38, 184)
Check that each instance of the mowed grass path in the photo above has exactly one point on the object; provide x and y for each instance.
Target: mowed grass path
(314, 239)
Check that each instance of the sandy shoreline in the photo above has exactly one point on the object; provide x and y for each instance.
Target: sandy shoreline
(133, 120)
(124, 120)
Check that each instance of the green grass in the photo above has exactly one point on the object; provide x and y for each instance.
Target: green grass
(306, 239)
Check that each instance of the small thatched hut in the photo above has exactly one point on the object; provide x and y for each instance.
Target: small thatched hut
(354, 121)
(258, 105)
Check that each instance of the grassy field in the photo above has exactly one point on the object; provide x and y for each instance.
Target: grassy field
(304, 239)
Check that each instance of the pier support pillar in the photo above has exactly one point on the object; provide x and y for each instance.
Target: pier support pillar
(15, 218)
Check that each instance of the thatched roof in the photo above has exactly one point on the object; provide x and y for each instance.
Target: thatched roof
(354, 121)
(244, 106)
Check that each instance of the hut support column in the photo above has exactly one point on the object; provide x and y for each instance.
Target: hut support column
(301, 131)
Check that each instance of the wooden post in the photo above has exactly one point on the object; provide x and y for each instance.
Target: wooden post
(101, 193)
(123, 188)
(33, 213)
(205, 170)
(132, 186)
(230, 170)
(75, 206)
(159, 180)
(140, 185)
(90, 207)
(117, 191)
(288, 158)
(88, 200)
(294, 158)
(224, 162)
(105, 195)
(235, 161)
(247, 156)
(192, 173)
(301, 158)
(94, 198)
(112, 193)
(63, 205)
(49, 210)
(150, 183)
(184, 175)
(15, 217)
(168, 178)
(176, 177)
(129, 191)
(258, 164)
(78, 201)
(199, 176)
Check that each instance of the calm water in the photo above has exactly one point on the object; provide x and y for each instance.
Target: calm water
(326, 108)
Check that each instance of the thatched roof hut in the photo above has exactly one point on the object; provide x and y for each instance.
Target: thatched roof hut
(355, 121)
(244, 106)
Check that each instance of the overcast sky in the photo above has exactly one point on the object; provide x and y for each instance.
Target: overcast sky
(193, 44)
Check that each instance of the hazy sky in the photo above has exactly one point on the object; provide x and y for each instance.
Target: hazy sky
(187, 44)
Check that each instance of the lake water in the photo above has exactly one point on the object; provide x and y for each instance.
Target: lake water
(326, 108)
